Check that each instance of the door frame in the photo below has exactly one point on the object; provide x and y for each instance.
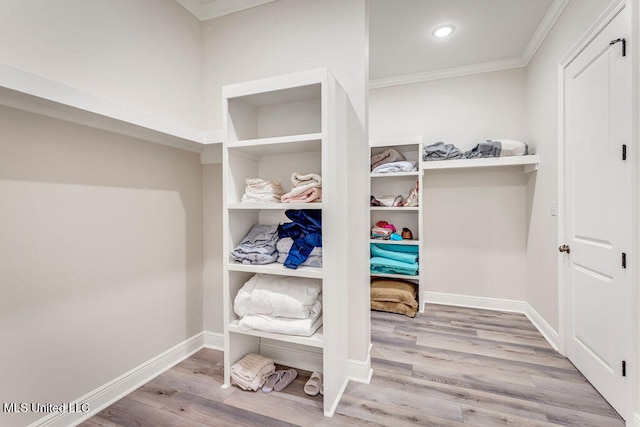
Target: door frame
(633, 8)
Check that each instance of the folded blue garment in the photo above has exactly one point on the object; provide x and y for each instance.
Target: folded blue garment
(306, 232)
(391, 266)
(386, 251)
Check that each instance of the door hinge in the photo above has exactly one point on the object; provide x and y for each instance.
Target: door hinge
(624, 368)
(624, 45)
(624, 151)
(624, 260)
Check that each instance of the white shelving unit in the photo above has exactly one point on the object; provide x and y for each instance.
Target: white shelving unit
(394, 184)
(274, 127)
(529, 163)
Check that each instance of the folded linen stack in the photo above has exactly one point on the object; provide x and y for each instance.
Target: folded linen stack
(497, 148)
(251, 372)
(395, 167)
(394, 259)
(306, 188)
(284, 246)
(262, 191)
(280, 304)
(259, 246)
(441, 151)
(389, 155)
(394, 296)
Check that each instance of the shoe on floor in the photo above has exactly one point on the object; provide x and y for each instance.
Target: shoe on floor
(287, 378)
(271, 381)
(313, 386)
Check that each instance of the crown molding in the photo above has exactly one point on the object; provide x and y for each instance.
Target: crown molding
(547, 23)
(466, 70)
(210, 9)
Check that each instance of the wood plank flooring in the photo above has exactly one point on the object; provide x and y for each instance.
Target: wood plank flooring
(450, 366)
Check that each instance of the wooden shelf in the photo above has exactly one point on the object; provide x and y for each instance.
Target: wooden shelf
(315, 340)
(395, 175)
(39, 95)
(279, 90)
(276, 268)
(395, 209)
(271, 206)
(279, 145)
(530, 163)
(395, 142)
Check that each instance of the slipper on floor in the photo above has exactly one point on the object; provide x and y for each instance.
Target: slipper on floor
(271, 381)
(312, 387)
(322, 389)
(287, 378)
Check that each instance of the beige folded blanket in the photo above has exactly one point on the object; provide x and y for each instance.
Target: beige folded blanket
(387, 156)
(303, 186)
(310, 195)
(251, 372)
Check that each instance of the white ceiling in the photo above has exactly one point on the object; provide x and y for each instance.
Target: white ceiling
(489, 35)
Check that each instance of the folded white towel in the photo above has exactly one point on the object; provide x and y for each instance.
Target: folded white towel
(259, 190)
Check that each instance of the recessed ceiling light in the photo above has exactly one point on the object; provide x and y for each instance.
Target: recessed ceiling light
(443, 31)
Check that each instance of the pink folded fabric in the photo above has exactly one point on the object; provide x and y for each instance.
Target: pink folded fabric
(307, 196)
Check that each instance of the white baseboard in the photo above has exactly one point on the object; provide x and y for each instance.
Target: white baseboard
(213, 340)
(110, 392)
(360, 371)
(550, 334)
(497, 304)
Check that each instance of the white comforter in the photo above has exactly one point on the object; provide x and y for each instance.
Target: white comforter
(280, 325)
(279, 296)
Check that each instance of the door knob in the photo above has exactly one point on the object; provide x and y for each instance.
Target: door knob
(565, 248)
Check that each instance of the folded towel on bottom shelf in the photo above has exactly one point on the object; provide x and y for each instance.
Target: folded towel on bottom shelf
(394, 296)
(250, 372)
(282, 325)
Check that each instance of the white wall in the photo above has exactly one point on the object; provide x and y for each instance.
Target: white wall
(475, 222)
(284, 37)
(145, 54)
(213, 234)
(100, 257)
(542, 130)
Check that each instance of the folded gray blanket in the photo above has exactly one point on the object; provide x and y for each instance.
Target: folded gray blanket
(441, 151)
(497, 148)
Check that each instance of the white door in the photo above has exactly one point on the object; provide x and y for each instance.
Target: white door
(597, 220)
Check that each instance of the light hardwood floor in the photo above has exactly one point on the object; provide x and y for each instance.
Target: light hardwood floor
(450, 366)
